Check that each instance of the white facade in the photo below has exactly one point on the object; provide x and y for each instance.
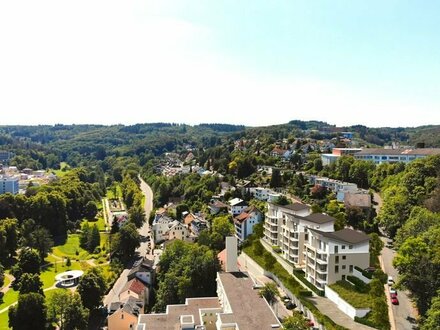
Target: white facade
(9, 184)
(244, 223)
(333, 185)
(178, 230)
(286, 227)
(331, 256)
(160, 227)
(237, 206)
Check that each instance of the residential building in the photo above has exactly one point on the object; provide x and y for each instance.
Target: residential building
(328, 159)
(360, 198)
(9, 184)
(286, 226)
(143, 270)
(331, 256)
(263, 194)
(379, 155)
(178, 230)
(281, 153)
(5, 156)
(124, 315)
(217, 207)
(160, 226)
(332, 184)
(133, 288)
(237, 206)
(244, 222)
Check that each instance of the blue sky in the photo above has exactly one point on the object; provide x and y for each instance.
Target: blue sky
(247, 62)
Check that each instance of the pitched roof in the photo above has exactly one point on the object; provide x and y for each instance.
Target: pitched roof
(246, 214)
(345, 235)
(296, 207)
(135, 286)
(360, 200)
(142, 265)
(189, 218)
(318, 218)
(218, 204)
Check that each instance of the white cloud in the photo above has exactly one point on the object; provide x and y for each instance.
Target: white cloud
(123, 62)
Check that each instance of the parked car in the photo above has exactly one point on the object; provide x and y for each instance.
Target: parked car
(390, 281)
(289, 305)
(394, 300)
(393, 295)
(393, 291)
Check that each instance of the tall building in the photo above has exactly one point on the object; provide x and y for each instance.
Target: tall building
(379, 155)
(8, 184)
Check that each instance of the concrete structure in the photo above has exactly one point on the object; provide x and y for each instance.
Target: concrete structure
(69, 278)
(237, 206)
(344, 306)
(331, 256)
(9, 184)
(379, 156)
(334, 185)
(244, 222)
(231, 254)
(5, 156)
(287, 226)
(328, 159)
(360, 198)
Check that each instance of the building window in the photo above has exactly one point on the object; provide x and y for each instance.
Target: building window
(343, 247)
(336, 259)
(343, 267)
(344, 257)
(350, 269)
(350, 247)
(336, 269)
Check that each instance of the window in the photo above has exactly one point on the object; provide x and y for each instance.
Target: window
(336, 269)
(343, 267)
(350, 247)
(350, 269)
(343, 247)
(344, 257)
(336, 259)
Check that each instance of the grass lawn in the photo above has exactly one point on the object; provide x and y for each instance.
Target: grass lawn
(353, 297)
(71, 249)
(100, 223)
(9, 298)
(110, 192)
(7, 281)
(4, 321)
(48, 274)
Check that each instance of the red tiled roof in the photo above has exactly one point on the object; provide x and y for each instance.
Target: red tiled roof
(135, 286)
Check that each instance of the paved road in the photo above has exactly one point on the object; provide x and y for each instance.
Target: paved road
(405, 308)
(142, 250)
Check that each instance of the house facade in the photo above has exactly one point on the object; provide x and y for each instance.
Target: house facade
(244, 222)
(9, 184)
(331, 256)
(286, 227)
(237, 206)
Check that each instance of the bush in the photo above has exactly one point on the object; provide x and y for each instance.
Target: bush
(365, 273)
(358, 284)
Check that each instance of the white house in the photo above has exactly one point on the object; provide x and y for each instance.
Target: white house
(331, 256)
(160, 226)
(287, 226)
(237, 206)
(244, 222)
(178, 230)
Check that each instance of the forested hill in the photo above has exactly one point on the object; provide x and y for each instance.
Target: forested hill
(45, 146)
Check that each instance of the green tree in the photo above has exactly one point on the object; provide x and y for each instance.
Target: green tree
(269, 292)
(296, 322)
(41, 240)
(376, 245)
(90, 210)
(380, 312)
(8, 238)
(317, 165)
(137, 215)
(29, 313)
(85, 236)
(432, 320)
(28, 262)
(76, 315)
(94, 239)
(30, 283)
(56, 306)
(222, 226)
(126, 241)
(2, 275)
(275, 180)
(91, 288)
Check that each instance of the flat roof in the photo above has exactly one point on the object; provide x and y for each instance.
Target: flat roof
(318, 218)
(250, 311)
(171, 319)
(396, 152)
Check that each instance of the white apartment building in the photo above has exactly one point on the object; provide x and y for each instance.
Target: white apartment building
(237, 206)
(331, 256)
(286, 226)
(244, 222)
(379, 155)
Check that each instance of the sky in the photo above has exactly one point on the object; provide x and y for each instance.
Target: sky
(250, 62)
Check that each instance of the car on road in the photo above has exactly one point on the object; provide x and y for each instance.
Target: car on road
(289, 305)
(393, 291)
(390, 281)
(394, 300)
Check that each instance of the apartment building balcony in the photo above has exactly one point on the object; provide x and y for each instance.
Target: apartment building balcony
(321, 259)
(321, 269)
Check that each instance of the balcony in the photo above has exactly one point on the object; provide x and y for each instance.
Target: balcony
(321, 270)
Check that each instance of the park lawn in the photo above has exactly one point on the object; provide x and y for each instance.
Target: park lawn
(51, 259)
(48, 274)
(100, 223)
(9, 298)
(351, 295)
(71, 249)
(110, 194)
(4, 319)
(7, 281)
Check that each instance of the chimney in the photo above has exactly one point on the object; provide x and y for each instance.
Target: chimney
(231, 254)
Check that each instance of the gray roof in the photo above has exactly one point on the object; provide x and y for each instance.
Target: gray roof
(296, 207)
(345, 235)
(318, 218)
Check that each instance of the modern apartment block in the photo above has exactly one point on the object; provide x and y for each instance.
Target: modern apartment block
(331, 256)
(286, 226)
(379, 155)
(9, 184)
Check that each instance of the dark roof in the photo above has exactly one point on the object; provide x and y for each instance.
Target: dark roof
(131, 305)
(318, 218)
(414, 152)
(296, 207)
(345, 235)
